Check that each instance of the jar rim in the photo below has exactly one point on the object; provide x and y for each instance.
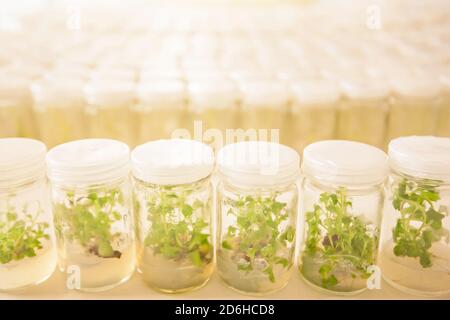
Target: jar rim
(258, 163)
(172, 161)
(344, 162)
(421, 156)
(22, 161)
(88, 162)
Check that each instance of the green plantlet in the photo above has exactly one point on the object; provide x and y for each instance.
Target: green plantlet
(88, 220)
(20, 239)
(178, 230)
(337, 238)
(420, 221)
(257, 241)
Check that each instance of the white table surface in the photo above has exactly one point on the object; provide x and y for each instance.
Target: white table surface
(54, 288)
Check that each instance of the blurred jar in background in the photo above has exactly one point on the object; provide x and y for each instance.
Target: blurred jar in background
(108, 110)
(59, 110)
(264, 106)
(16, 118)
(362, 116)
(414, 105)
(214, 103)
(160, 109)
(312, 115)
(443, 120)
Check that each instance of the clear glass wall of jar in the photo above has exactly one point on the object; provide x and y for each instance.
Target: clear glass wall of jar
(160, 109)
(313, 112)
(108, 110)
(264, 105)
(16, 116)
(363, 113)
(257, 201)
(214, 103)
(443, 127)
(173, 208)
(414, 104)
(343, 194)
(27, 246)
(415, 247)
(59, 110)
(92, 212)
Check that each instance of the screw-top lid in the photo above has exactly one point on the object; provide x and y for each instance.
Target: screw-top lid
(344, 163)
(113, 93)
(58, 94)
(88, 162)
(359, 87)
(157, 93)
(415, 84)
(258, 164)
(171, 162)
(212, 94)
(14, 91)
(22, 161)
(264, 94)
(315, 91)
(421, 156)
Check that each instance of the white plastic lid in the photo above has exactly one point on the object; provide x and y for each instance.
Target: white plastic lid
(173, 161)
(364, 88)
(421, 156)
(169, 92)
(264, 94)
(212, 94)
(345, 163)
(258, 164)
(104, 94)
(59, 94)
(415, 84)
(315, 91)
(22, 161)
(88, 162)
(14, 90)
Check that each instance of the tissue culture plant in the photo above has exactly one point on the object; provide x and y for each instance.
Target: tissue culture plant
(20, 238)
(178, 230)
(88, 219)
(257, 241)
(337, 239)
(420, 221)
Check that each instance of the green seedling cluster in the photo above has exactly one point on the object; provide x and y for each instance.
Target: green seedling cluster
(88, 220)
(178, 230)
(257, 241)
(337, 239)
(420, 222)
(20, 238)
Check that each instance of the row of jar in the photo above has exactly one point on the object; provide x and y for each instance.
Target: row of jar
(100, 225)
(367, 112)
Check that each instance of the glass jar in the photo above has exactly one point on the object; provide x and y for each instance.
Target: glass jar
(108, 110)
(414, 105)
(257, 200)
(172, 201)
(27, 247)
(92, 211)
(16, 116)
(443, 127)
(160, 110)
(214, 103)
(363, 113)
(313, 112)
(343, 196)
(264, 106)
(415, 247)
(59, 110)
